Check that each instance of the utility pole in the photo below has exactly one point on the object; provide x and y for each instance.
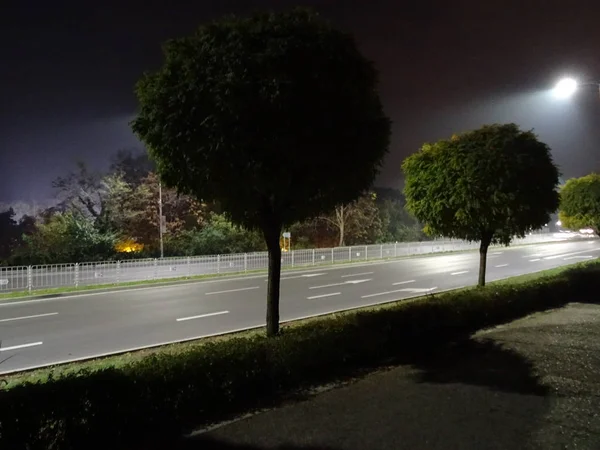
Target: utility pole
(160, 219)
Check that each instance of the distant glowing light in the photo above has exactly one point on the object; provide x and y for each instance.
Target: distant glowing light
(559, 223)
(565, 88)
(128, 246)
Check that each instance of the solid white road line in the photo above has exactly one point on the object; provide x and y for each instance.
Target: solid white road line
(403, 282)
(534, 260)
(17, 347)
(496, 253)
(324, 295)
(28, 317)
(579, 257)
(357, 274)
(341, 284)
(501, 265)
(202, 316)
(459, 273)
(232, 290)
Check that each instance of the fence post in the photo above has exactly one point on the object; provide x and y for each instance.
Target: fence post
(350, 253)
(381, 251)
(218, 263)
(189, 266)
(395, 249)
(245, 262)
(332, 255)
(76, 275)
(292, 258)
(29, 278)
(366, 252)
(118, 271)
(313, 256)
(155, 269)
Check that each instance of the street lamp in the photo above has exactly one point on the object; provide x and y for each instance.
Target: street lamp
(566, 87)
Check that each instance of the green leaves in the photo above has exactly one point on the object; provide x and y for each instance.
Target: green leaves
(275, 117)
(496, 179)
(486, 185)
(256, 112)
(580, 203)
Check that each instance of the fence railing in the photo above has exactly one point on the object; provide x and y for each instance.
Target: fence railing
(80, 275)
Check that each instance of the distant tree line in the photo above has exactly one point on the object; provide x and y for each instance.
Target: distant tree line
(114, 215)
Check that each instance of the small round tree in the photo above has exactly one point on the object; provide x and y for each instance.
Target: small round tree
(487, 185)
(277, 117)
(580, 203)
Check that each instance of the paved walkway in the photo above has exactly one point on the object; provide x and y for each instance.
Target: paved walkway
(533, 384)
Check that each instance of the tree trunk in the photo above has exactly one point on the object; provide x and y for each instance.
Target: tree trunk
(274, 280)
(339, 215)
(486, 239)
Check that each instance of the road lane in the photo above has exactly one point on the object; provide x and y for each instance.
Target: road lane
(35, 333)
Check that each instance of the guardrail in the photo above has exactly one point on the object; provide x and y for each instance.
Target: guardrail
(79, 275)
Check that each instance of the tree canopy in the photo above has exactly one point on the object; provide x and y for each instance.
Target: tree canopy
(277, 117)
(580, 203)
(487, 185)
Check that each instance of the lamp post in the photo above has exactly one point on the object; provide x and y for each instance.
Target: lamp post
(566, 87)
(161, 220)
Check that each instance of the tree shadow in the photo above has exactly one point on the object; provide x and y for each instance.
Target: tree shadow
(204, 442)
(480, 362)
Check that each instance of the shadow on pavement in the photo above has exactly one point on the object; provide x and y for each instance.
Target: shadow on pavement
(204, 442)
(481, 363)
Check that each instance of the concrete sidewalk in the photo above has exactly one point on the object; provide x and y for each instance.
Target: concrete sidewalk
(532, 384)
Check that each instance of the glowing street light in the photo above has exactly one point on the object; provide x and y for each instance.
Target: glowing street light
(565, 88)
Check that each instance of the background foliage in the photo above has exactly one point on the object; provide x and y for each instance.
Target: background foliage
(96, 214)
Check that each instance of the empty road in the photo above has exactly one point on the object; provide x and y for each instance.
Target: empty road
(42, 332)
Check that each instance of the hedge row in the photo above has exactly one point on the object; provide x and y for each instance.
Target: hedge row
(161, 396)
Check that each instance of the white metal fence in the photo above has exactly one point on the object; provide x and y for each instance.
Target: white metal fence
(78, 275)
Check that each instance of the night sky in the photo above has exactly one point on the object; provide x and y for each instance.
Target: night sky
(68, 69)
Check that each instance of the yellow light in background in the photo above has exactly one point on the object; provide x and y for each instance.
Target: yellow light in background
(128, 246)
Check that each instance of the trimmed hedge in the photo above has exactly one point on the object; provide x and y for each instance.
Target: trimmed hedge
(162, 396)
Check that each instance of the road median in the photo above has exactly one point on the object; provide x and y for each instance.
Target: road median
(157, 395)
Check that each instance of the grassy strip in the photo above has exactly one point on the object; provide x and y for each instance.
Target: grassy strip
(40, 293)
(117, 403)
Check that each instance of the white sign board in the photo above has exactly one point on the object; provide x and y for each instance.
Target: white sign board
(287, 235)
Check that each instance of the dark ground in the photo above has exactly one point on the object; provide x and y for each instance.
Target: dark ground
(532, 384)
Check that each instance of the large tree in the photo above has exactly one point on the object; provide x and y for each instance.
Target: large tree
(487, 185)
(357, 222)
(66, 238)
(133, 165)
(580, 203)
(181, 211)
(81, 190)
(396, 222)
(276, 117)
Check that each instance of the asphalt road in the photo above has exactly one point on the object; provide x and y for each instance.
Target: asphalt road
(42, 332)
(111, 272)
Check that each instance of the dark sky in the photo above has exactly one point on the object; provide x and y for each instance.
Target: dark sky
(68, 69)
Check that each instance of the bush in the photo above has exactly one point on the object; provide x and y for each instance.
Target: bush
(219, 236)
(163, 395)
